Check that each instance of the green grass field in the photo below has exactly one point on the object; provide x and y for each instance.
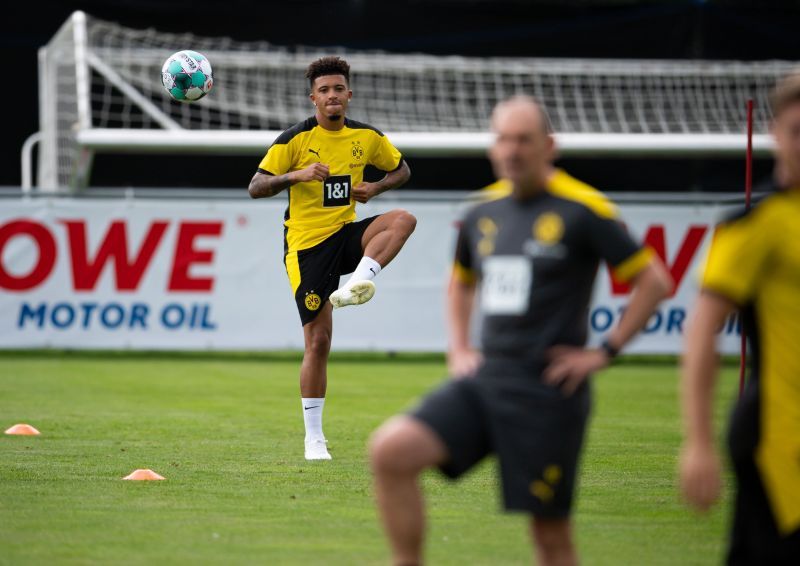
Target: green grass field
(227, 433)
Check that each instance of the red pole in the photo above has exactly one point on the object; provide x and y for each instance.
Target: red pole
(748, 187)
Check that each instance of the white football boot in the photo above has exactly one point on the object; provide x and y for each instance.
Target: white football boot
(356, 294)
(317, 450)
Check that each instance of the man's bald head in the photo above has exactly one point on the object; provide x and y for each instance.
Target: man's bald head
(523, 150)
(522, 107)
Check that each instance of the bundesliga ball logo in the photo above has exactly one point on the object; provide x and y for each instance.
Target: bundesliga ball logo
(186, 76)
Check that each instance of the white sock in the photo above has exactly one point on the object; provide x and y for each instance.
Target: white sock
(312, 417)
(367, 268)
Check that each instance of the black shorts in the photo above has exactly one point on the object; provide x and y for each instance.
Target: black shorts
(755, 538)
(321, 266)
(535, 431)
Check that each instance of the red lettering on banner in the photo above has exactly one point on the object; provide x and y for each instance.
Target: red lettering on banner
(656, 239)
(186, 255)
(114, 246)
(47, 254)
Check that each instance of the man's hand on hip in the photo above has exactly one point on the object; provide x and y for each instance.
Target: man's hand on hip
(463, 362)
(570, 365)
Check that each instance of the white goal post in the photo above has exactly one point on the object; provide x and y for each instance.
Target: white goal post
(100, 91)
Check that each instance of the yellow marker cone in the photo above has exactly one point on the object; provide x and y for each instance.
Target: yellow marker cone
(143, 475)
(23, 429)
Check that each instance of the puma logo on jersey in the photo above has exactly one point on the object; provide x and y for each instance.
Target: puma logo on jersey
(315, 152)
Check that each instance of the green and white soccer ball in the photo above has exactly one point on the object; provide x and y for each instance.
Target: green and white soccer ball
(186, 76)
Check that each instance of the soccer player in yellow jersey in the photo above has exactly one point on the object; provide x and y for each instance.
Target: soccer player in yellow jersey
(754, 265)
(320, 161)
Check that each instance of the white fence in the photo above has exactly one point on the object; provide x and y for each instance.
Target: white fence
(208, 274)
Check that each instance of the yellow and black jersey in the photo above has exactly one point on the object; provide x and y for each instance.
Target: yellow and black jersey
(318, 209)
(536, 261)
(499, 189)
(754, 261)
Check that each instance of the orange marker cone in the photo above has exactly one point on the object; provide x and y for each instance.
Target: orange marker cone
(143, 475)
(23, 429)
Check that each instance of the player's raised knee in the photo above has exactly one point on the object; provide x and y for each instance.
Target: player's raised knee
(404, 445)
(389, 447)
(405, 222)
(380, 449)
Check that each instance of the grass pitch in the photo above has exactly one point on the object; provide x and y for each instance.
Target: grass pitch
(227, 432)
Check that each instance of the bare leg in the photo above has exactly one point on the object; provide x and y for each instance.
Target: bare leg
(314, 369)
(399, 451)
(553, 541)
(385, 236)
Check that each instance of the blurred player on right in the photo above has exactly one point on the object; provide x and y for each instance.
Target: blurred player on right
(754, 265)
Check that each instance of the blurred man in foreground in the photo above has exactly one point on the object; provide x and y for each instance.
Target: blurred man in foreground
(525, 397)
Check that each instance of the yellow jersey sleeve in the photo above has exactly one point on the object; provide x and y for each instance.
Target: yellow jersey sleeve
(740, 250)
(609, 238)
(278, 160)
(564, 185)
(385, 156)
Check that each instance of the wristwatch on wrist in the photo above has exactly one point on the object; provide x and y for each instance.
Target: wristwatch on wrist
(610, 350)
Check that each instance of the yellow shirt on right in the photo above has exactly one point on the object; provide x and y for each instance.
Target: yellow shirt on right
(754, 261)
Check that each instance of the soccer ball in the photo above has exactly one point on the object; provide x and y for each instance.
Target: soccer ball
(186, 76)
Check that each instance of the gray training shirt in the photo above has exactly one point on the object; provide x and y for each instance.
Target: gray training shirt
(535, 262)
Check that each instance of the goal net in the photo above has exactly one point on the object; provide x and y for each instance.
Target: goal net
(100, 90)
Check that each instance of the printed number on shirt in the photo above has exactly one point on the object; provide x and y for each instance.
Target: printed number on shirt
(336, 191)
(506, 285)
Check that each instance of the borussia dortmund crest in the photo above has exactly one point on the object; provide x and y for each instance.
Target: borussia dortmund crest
(548, 228)
(313, 301)
(358, 151)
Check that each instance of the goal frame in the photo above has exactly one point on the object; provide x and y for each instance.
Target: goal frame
(82, 140)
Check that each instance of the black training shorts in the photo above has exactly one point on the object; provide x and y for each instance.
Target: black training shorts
(535, 431)
(322, 265)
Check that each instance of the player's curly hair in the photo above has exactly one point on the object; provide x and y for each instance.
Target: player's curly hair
(328, 66)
